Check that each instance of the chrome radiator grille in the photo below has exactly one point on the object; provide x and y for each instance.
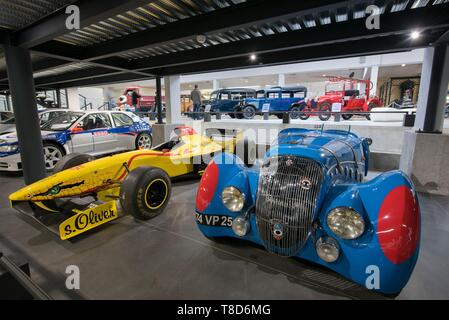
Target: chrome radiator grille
(287, 196)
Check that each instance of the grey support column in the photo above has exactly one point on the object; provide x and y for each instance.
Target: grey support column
(58, 98)
(425, 150)
(21, 83)
(8, 103)
(159, 100)
(433, 89)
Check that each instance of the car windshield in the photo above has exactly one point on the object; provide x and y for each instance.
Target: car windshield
(260, 94)
(63, 122)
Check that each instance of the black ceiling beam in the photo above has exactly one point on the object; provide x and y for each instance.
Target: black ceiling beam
(89, 73)
(124, 77)
(58, 52)
(4, 36)
(362, 47)
(39, 66)
(233, 17)
(54, 25)
(431, 17)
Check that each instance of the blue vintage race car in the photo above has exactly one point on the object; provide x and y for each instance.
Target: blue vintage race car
(308, 200)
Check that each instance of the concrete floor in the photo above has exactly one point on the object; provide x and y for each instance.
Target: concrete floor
(168, 258)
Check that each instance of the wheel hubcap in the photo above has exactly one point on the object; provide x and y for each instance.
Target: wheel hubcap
(144, 142)
(156, 194)
(294, 114)
(249, 113)
(51, 155)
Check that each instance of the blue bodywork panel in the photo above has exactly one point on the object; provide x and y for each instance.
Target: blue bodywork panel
(387, 203)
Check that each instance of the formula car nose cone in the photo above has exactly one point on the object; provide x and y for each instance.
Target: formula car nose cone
(21, 195)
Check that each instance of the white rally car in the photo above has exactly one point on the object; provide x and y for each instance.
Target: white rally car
(91, 132)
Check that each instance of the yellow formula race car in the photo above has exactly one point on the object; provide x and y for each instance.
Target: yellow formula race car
(83, 193)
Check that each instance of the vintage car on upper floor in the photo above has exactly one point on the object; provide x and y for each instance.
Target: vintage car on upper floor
(275, 100)
(342, 94)
(145, 103)
(83, 192)
(94, 132)
(308, 200)
(226, 100)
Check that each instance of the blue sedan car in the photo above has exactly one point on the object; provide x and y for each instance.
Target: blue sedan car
(94, 132)
(309, 200)
(274, 101)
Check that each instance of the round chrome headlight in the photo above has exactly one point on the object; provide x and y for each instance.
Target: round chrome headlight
(327, 249)
(346, 223)
(232, 199)
(240, 226)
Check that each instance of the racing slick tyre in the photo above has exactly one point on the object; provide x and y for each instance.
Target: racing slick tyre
(53, 153)
(248, 112)
(144, 141)
(145, 192)
(346, 116)
(232, 115)
(325, 107)
(370, 106)
(248, 148)
(72, 160)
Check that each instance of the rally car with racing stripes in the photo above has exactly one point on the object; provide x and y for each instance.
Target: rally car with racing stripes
(91, 132)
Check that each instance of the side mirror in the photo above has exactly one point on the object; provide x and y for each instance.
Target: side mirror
(368, 141)
(77, 129)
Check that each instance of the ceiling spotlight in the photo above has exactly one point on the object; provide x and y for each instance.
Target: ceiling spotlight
(403, 65)
(415, 35)
(252, 57)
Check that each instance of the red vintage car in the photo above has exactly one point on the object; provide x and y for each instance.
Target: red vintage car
(144, 103)
(344, 91)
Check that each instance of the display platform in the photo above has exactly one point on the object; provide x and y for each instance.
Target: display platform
(168, 258)
(365, 128)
